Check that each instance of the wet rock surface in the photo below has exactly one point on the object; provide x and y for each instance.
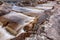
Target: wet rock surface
(30, 20)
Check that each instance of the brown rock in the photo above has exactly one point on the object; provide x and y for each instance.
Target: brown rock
(4, 21)
(22, 36)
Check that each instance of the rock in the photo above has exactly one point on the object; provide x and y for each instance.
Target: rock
(52, 28)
